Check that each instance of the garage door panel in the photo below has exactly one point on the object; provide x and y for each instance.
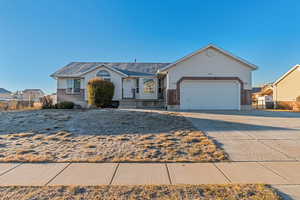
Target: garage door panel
(210, 95)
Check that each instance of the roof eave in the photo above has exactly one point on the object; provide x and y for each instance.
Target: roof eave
(286, 74)
(252, 66)
(82, 74)
(65, 76)
(137, 76)
(107, 67)
(53, 76)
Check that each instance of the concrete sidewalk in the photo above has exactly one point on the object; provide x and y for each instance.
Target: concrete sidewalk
(282, 175)
(277, 173)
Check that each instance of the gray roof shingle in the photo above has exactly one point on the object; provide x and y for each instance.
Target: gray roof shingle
(130, 69)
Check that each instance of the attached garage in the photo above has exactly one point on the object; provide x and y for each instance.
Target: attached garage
(210, 95)
(208, 79)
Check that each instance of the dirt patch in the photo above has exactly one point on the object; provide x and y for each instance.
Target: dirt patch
(221, 192)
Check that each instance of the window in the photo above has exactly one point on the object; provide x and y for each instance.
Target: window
(70, 86)
(105, 75)
(137, 89)
(76, 86)
(73, 86)
(159, 86)
(149, 86)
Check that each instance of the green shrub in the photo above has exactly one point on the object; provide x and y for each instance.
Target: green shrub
(100, 92)
(65, 105)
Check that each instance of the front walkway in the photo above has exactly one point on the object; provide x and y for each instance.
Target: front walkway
(282, 175)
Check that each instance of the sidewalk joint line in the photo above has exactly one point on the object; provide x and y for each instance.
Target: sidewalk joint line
(227, 178)
(58, 174)
(114, 174)
(8, 170)
(268, 168)
(276, 150)
(168, 173)
(248, 134)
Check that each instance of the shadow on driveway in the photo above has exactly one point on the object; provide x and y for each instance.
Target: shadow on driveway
(221, 125)
(254, 113)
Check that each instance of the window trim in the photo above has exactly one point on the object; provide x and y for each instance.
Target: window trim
(154, 86)
(71, 89)
(106, 76)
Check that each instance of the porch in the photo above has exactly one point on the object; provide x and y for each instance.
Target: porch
(142, 103)
(139, 89)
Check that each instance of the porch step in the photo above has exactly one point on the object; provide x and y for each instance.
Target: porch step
(82, 104)
(141, 103)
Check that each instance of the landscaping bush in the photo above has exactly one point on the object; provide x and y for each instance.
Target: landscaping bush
(65, 105)
(100, 92)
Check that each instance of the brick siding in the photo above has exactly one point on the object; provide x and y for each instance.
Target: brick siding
(62, 95)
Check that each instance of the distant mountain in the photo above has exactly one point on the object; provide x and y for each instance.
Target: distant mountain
(4, 91)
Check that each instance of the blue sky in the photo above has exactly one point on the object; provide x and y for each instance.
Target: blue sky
(37, 37)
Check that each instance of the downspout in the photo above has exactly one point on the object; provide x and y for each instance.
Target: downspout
(122, 88)
(275, 96)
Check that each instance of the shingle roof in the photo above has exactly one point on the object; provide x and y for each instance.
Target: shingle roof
(131, 69)
(132, 73)
(4, 91)
(256, 89)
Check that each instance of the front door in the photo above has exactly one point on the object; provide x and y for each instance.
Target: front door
(128, 88)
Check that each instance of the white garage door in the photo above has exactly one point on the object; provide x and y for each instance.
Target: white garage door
(210, 95)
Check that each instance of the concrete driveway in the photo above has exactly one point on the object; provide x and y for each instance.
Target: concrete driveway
(252, 135)
(256, 136)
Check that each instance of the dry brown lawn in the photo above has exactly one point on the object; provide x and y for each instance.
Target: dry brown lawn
(180, 192)
(103, 136)
(91, 122)
(177, 146)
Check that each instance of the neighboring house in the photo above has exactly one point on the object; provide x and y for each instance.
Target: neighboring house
(255, 90)
(287, 89)
(17, 95)
(32, 94)
(210, 78)
(5, 94)
(263, 96)
(255, 93)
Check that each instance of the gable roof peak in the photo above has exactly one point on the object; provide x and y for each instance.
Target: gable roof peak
(252, 66)
(286, 74)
